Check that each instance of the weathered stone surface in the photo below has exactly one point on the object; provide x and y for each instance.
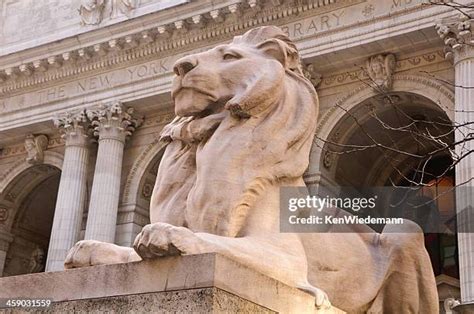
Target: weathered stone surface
(204, 300)
(51, 21)
(30, 105)
(245, 122)
(187, 276)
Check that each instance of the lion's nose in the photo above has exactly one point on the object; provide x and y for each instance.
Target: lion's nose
(184, 65)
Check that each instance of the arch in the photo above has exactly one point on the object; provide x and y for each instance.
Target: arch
(132, 184)
(33, 194)
(28, 194)
(409, 83)
(421, 85)
(50, 158)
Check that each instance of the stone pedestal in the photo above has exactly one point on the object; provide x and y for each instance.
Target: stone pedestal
(203, 283)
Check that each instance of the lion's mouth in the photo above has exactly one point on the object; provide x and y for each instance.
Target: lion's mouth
(175, 92)
(195, 84)
(193, 101)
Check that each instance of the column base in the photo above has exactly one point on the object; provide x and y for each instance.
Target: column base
(195, 283)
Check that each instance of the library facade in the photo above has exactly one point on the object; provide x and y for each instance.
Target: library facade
(85, 91)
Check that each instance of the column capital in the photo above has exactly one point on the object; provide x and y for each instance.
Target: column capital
(113, 121)
(73, 127)
(457, 34)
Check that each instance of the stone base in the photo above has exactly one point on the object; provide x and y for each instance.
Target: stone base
(195, 283)
(206, 300)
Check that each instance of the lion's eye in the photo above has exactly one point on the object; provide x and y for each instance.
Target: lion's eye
(230, 56)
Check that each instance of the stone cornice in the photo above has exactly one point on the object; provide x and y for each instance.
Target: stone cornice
(366, 27)
(220, 23)
(190, 33)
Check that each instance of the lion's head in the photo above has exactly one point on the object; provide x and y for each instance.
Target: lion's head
(240, 75)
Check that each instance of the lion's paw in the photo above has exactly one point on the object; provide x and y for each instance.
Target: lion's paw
(89, 253)
(162, 239)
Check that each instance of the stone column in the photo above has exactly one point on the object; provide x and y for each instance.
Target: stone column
(457, 35)
(72, 191)
(112, 123)
(5, 239)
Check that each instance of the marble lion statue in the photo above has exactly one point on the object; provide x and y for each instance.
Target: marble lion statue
(244, 126)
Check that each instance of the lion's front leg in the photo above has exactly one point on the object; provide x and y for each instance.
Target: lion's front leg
(90, 253)
(280, 256)
(162, 239)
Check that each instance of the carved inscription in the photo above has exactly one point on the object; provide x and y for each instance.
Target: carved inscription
(314, 25)
(96, 82)
(52, 94)
(90, 84)
(306, 27)
(149, 69)
(401, 3)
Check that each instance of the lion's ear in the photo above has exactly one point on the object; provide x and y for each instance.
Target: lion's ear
(275, 49)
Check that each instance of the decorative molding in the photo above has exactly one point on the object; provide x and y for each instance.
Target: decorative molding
(325, 118)
(312, 74)
(161, 119)
(160, 40)
(421, 85)
(69, 121)
(72, 126)
(380, 69)
(113, 120)
(126, 6)
(147, 189)
(449, 304)
(131, 189)
(35, 147)
(3, 215)
(328, 159)
(135, 217)
(448, 280)
(50, 158)
(91, 12)
(20, 149)
(400, 66)
(373, 20)
(36, 262)
(27, 180)
(428, 86)
(132, 183)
